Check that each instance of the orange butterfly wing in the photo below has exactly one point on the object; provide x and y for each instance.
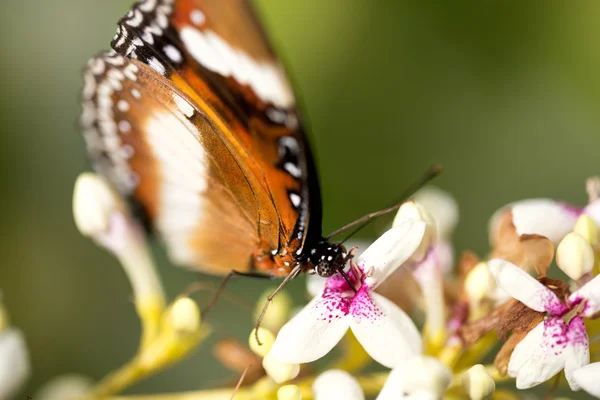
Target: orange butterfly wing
(194, 119)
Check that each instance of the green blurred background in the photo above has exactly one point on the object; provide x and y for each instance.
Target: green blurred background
(505, 94)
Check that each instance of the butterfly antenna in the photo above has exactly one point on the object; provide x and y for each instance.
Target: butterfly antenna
(367, 219)
(293, 273)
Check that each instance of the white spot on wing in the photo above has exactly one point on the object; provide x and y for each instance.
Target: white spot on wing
(136, 20)
(185, 107)
(203, 52)
(292, 169)
(295, 199)
(123, 106)
(266, 79)
(124, 126)
(136, 93)
(156, 65)
(197, 17)
(173, 54)
(182, 165)
(290, 142)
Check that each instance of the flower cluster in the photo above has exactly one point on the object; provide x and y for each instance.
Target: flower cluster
(427, 322)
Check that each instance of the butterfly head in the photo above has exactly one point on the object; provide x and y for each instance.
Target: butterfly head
(327, 258)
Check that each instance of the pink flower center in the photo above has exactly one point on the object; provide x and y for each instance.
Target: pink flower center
(340, 299)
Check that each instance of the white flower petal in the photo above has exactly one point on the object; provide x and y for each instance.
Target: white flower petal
(391, 250)
(442, 207)
(315, 285)
(587, 378)
(540, 355)
(14, 362)
(590, 293)
(545, 217)
(445, 254)
(419, 378)
(593, 210)
(383, 329)
(360, 244)
(394, 387)
(337, 384)
(314, 331)
(578, 350)
(525, 288)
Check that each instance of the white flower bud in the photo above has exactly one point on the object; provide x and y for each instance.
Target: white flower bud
(441, 206)
(94, 203)
(426, 374)
(337, 384)
(587, 228)
(479, 283)
(575, 256)
(289, 392)
(65, 387)
(266, 338)
(279, 371)
(14, 362)
(185, 315)
(478, 383)
(420, 377)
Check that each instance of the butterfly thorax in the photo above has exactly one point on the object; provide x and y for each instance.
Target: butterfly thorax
(325, 258)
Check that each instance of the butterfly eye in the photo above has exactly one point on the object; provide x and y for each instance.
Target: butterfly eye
(325, 269)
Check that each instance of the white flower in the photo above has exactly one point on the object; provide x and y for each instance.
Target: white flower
(14, 362)
(561, 340)
(101, 214)
(383, 329)
(337, 384)
(418, 378)
(588, 378)
(65, 387)
(441, 216)
(550, 218)
(444, 211)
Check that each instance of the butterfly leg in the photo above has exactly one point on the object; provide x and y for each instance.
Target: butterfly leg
(224, 283)
(293, 273)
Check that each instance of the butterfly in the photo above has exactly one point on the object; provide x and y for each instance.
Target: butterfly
(192, 117)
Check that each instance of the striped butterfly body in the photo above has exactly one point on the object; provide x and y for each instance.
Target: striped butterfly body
(192, 117)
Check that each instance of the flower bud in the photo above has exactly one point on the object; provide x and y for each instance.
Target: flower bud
(278, 311)
(65, 387)
(337, 384)
(184, 315)
(479, 283)
(266, 339)
(478, 383)
(14, 362)
(587, 228)
(279, 371)
(426, 374)
(575, 256)
(94, 202)
(289, 392)
(441, 206)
